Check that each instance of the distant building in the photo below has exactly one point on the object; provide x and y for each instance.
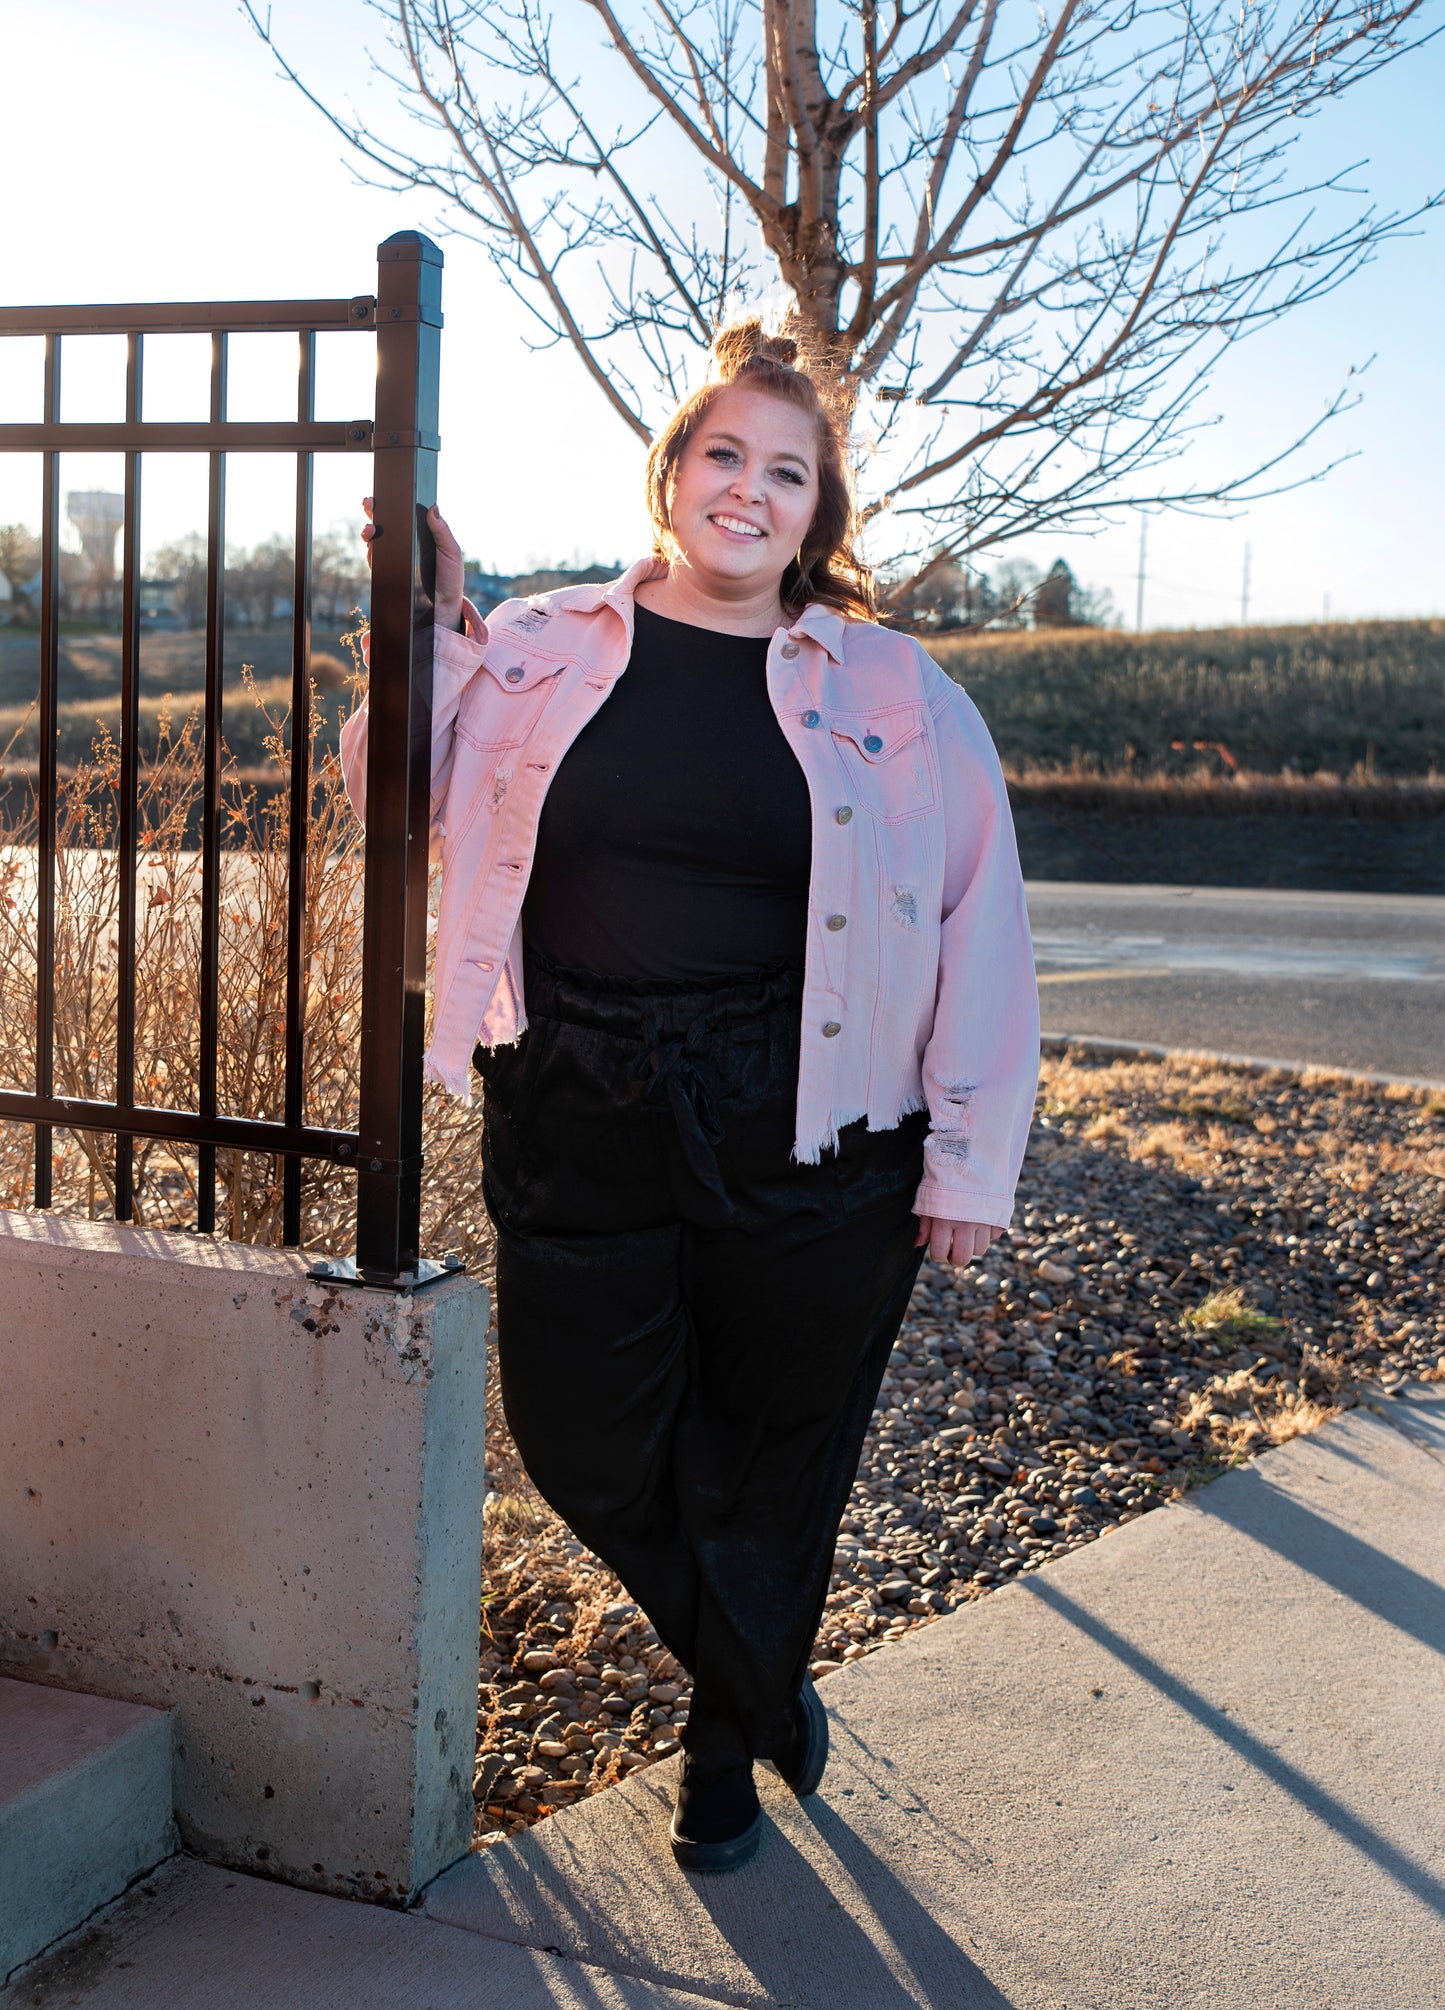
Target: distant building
(25, 598)
(160, 604)
(19, 599)
(485, 589)
(551, 578)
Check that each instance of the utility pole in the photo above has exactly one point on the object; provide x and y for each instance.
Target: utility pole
(1327, 607)
(1139, 598)
(1244, 589)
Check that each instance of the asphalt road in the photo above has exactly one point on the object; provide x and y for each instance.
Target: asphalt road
(1346, 979)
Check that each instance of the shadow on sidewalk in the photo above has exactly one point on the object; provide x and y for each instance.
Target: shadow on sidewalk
(1374, 1580)
(808, 1922)
(940, 1970)
(1413, 1877)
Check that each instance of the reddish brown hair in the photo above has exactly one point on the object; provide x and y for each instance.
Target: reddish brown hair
(826, 569)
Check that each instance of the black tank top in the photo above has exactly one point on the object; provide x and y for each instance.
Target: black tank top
(676, 837)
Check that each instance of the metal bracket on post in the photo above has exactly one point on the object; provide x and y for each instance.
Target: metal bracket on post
(398, 767)
(343, 1270)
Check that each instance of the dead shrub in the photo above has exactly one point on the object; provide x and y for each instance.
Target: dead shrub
(254, 886)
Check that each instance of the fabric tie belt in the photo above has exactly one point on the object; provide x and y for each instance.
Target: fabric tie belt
(667, 1076)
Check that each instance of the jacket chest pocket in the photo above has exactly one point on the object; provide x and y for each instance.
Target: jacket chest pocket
(503, 705)
(497, 720)
(890, 762)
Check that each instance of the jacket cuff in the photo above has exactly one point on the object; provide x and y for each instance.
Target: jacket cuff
(960, 1203)
(460, 655)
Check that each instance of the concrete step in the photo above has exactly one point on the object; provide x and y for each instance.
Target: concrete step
(85, 1808)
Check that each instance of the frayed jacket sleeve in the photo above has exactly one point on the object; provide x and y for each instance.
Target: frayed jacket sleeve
(981, 1062)
(455, 661)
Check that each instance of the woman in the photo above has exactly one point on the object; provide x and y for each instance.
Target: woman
(731, 898)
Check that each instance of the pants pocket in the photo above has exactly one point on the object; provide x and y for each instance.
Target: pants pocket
(508, 1073)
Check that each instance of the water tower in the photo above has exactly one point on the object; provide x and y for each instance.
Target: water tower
(97, 515)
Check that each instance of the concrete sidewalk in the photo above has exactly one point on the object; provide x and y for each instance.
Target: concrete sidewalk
(1194, 1766)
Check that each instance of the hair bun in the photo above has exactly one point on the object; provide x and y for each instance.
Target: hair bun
(791, 369)
(744, 343)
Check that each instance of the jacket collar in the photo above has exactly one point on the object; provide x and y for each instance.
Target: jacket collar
(822, 625)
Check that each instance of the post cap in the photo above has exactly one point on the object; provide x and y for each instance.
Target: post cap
(408, 247)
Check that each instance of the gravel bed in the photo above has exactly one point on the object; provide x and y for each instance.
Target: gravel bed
(1204, 1263)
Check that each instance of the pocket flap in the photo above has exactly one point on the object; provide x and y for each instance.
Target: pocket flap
(878, 735)
(518, 669)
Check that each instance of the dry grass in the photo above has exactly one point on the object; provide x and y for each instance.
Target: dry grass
(1244, 1415)
(1205, 789)
(250, 1058)
(1338, 698)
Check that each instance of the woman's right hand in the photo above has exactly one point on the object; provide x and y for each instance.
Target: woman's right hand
(449, 576)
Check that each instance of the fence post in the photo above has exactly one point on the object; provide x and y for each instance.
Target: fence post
(398, 769)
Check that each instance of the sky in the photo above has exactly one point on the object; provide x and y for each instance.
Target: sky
(154, 153)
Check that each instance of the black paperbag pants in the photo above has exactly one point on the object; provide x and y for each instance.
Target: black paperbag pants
(691, 1328)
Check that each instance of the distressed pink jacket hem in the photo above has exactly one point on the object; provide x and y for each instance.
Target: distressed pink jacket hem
(919, 984)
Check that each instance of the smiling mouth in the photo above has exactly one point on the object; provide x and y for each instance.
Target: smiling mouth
(737, 526)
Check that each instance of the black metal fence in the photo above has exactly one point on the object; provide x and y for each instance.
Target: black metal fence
(401, 436)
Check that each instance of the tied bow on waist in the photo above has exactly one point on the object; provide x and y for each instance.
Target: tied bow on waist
(667, 1076)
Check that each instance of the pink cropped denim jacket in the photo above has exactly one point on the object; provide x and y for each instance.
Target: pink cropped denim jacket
(919, 981)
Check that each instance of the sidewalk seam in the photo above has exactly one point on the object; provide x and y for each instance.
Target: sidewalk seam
(1384, 1409)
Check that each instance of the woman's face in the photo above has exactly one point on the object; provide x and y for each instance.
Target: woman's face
(745, 491)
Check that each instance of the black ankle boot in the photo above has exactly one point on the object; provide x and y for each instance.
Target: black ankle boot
(717, 1822)
(803, 1762)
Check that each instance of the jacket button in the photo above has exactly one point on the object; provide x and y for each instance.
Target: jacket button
(871, 744)
(516, 674)
(831, 1029)
(789, 649)
(837, 921)
(810, 718)
(845, 815)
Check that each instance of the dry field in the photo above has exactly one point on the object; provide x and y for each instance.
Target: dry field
(1344, 699)
(172, 676)
(1325, 697)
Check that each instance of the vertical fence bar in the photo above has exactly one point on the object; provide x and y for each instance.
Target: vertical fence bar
(129, 772)
(398, 771)
(211, 795)
(300, 807)
(45, 780)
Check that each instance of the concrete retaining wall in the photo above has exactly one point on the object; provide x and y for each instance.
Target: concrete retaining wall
(257, 1501)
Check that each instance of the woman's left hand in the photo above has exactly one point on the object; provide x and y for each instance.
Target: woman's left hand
(955, 1241)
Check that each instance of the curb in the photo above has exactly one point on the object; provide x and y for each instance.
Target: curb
(1252, 1064)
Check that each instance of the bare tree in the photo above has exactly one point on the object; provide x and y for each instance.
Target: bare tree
(19, 553)
(1020, 233)
(184, 563)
